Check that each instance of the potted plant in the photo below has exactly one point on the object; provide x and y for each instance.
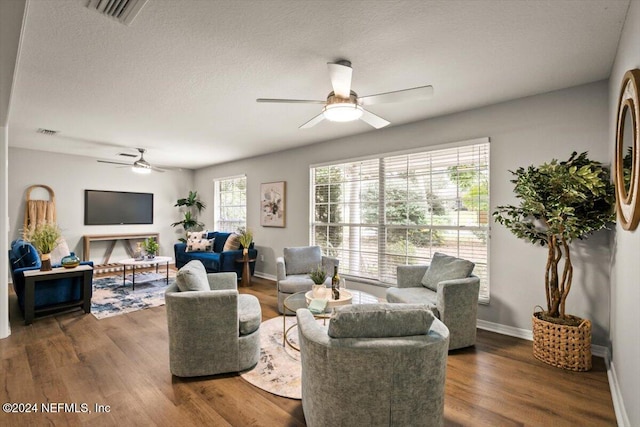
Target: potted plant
(245, 237)
(318, 276)
(193, 207)
(559, 202)
(45, 238)
(151, 247)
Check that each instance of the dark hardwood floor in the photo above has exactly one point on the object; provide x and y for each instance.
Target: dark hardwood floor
(123, 362)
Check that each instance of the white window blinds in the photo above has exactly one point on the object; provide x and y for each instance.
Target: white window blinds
(399, 209)
(230, 200)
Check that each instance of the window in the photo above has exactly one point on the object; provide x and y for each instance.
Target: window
(377, 213)
(230, 203)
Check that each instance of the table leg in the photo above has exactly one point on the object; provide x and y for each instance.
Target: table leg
(29, 300)
(124, 274)
(167, 272)
(284, 328)
(133, 277)
(86, 291)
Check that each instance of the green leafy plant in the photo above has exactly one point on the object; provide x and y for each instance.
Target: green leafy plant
(151, 246)
(559, 202)
(192, 206)
(318, 275)
(44, 237)
(245, 236)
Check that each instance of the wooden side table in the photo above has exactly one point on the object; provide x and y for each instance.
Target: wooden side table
(31, 277)
(246, 271)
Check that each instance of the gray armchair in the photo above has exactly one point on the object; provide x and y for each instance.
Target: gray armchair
(211, 331)
(378, 364)
(294, 267)
(454, 301)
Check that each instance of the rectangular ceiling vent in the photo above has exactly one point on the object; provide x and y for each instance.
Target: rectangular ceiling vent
(128, 155)
(47, 131)
(124, 11)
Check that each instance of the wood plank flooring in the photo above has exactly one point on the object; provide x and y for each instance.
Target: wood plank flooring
(123, 362)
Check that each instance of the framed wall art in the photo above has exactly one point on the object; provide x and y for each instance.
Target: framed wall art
(273, 204)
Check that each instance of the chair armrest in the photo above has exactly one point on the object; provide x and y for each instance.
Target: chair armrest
(456, 297)
(328, 263)
(310, 328)
(410, 276)
(281, 270)
(179, 248)
(222, 281)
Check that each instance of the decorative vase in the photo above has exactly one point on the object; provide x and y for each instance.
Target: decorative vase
(245, 252)
(45, 262)
(138, 255)
(319, 291)
(70, 261)
(151, 256)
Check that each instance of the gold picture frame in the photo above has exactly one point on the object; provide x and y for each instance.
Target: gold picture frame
(627, 155)
(273, 204)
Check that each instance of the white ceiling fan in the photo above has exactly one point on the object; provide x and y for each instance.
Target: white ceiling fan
(138, 166)
(344, 105)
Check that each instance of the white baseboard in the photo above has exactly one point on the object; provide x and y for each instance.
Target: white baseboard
(527, 334)
(616, 395)
(264, 276)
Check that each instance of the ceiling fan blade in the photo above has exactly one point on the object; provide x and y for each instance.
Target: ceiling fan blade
(155, 169)
(340, 75)
(311, 123)
(413, 94)
(114, 163)
(290, 101)
(373, 120)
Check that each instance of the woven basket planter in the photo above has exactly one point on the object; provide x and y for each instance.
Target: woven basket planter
(562, 346)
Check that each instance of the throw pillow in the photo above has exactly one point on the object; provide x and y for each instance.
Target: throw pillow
(60, 251)
(192, 277)
(232, 243)
(197, 235)
(380, 320)
(199, 245)
(445, 267)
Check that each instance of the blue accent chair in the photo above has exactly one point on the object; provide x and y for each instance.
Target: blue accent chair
(216, 261)
(23, 256)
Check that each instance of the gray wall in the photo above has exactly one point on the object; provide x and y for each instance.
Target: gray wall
(69, 176)
(625, 267)
(525, 131)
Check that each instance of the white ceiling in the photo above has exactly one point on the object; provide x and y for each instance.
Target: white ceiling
(182, 79)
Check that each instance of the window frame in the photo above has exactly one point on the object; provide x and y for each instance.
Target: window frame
(217, 204)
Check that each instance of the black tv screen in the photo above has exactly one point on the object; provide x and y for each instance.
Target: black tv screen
(117, 207)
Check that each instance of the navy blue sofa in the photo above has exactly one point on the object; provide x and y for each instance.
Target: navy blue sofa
(216, 261)
(23, 256)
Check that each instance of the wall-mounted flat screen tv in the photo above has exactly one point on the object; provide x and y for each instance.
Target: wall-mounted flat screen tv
(117, 207)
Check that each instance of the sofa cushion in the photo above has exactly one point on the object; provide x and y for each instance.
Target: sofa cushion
(25, 254)
(192, 277)
(295, 283)
(202, 245)
(60, 251)
(445, 267)
(380, 320)
(249, 313)
(221, 239)
(198, 235)
(417, 295)
(232, 243)
(302, 260)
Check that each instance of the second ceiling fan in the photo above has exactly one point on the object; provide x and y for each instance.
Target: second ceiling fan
(344, 105)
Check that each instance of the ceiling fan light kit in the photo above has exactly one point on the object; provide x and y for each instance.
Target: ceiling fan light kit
(141, 169)
(343, 104)
(140, 166)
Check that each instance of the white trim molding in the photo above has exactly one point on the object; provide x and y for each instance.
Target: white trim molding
(616, 395)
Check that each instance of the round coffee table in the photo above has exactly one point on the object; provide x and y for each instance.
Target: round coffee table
(299, 300)
(133, 263)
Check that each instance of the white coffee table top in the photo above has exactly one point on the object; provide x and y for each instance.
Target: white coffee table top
(153, 261)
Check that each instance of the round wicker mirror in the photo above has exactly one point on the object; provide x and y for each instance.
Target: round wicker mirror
(627, 165)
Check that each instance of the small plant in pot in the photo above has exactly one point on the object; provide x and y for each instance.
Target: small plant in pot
(45, 238)
(151, 247)
(318, 276)
(245, 238)
(559, 202)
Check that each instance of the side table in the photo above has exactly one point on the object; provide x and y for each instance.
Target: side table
(31, 277)
(246, 270)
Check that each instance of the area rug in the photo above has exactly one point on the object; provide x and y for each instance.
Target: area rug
(112, 298)
(278, 371)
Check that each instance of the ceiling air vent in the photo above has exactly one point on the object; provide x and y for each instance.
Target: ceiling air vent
(124, 11)
(47, 131)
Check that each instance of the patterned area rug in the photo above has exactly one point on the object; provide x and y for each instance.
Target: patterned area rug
(278, 371)
(112, 298)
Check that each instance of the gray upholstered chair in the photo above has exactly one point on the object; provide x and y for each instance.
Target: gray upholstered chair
(212, 328)
(450, 290)
(377, 364)
(294, 267)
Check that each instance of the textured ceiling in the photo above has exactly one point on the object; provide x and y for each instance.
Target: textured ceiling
(182, 79)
